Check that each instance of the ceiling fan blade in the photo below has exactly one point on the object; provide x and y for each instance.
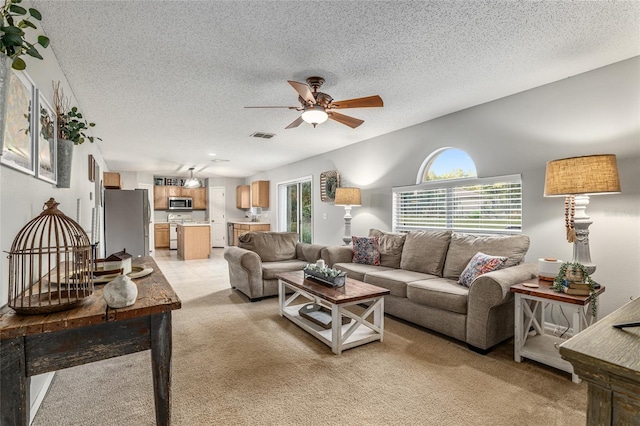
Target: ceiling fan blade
(296, 123)
(304, 91)
(368, 102)
(345, 119)
(288, 107)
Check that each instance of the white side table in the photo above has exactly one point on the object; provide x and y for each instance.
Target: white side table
(530, 304)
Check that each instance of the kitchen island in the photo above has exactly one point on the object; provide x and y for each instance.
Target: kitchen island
(194, 240)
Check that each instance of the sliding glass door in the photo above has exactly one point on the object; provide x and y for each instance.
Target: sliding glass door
(296, 208)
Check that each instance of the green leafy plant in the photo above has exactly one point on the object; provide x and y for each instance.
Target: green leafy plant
(71, 124)
(327, 272)
(560, 282)
(12, 35)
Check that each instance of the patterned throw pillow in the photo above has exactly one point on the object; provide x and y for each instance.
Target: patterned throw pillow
(366, 250)
(480, 264)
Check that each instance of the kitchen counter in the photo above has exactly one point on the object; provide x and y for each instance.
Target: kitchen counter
(244, 227)
(194, 240)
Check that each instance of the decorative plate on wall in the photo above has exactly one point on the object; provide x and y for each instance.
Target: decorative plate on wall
(329, 181)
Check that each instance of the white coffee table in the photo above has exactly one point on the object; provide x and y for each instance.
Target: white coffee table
(358, 331)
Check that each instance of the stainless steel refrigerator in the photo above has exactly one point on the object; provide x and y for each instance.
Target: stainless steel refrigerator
(126, 221)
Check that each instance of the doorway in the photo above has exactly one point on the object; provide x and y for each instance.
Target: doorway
(296, 208)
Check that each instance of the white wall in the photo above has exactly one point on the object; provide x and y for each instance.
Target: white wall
(22, 196)
(593, 113)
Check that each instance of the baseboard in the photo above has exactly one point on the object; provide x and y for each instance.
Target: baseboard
(45, 383)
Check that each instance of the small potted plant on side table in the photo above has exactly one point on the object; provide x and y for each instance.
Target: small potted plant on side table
(573, 278)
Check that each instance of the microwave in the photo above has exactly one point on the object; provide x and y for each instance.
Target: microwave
(180, 203)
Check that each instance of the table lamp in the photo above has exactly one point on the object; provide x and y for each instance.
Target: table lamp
(576, 178)
(347, 197)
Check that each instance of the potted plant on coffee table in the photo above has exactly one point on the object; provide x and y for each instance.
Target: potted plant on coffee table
(72, 130)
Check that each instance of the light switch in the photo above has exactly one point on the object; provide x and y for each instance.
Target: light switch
(324, 215)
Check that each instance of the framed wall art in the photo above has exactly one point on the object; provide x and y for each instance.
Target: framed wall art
(46, 141)
(92, 169)
(329, 181)
(19, 144)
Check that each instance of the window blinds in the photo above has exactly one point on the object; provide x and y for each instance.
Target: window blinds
(487, 205)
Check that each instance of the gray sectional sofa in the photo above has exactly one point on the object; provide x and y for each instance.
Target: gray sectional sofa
(421, 269)
(259, 256)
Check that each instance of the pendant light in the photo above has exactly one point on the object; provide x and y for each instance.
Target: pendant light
(191, 182)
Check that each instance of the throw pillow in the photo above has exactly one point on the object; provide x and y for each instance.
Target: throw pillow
(480, 264)
(390, 247)
(366, 250)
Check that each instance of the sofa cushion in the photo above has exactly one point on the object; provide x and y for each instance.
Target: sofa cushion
(270, 246)
(480, 264)
(358, 270)
(395, 280)
(464, 246)
(366, 250)
(390, 245)
(439, 293)
(271, 269)
(424, 251)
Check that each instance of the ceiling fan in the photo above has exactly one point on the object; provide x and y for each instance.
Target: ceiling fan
(317, 107)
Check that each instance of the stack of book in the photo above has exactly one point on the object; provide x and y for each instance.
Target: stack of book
(577, 289)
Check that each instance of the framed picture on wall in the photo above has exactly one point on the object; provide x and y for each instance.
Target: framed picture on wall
(92, 169)
(329, 181)
(19, 144)
(46, 138)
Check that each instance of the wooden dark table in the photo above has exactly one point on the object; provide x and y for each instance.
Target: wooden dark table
(36, 344)
(608, 359)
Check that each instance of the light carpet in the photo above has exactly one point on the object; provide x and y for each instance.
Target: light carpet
(240, 363)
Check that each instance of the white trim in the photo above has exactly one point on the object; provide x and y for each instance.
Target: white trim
(33, 409)
(451, 183)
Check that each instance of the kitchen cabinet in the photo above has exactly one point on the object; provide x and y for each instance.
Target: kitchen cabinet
(240, 228)
(111, 180)
(161, 235)
(199, 196)
(160, 198)
(243, 193)
(194, 241)
(260, 194)
(161, 194)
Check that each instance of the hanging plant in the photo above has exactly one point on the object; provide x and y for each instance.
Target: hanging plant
(578, 272)
(71, 124)
(12, 36)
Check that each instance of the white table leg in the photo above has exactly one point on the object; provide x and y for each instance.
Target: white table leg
(378, 317)
(518, 328)
(281, 296)
(577, 328)
(336, 330)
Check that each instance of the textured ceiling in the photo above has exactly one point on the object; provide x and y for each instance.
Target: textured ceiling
(166, 81)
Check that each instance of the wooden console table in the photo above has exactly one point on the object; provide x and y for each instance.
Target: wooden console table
(36, 344)
(607, 358)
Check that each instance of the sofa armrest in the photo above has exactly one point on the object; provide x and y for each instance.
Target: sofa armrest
(336, 254)
(487, 293)
(245, 271)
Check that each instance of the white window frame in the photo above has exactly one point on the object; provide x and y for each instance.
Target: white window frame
(282, 202)
(456, 197)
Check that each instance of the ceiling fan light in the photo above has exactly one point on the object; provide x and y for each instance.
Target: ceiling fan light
(315, 115)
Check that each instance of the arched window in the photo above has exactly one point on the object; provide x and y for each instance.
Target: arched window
(449, 195)
(447, 163)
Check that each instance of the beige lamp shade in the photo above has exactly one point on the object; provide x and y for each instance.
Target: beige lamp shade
(591, 174)
(346, 196)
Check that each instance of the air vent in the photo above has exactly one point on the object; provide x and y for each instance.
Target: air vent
(219, 160)
(263, 135)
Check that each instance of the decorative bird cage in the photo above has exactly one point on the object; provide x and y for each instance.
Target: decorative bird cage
(50, 264)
